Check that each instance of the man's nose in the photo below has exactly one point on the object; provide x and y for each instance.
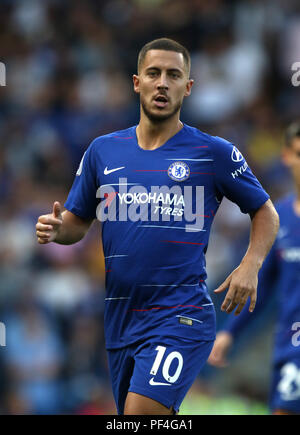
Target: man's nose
(163, 82)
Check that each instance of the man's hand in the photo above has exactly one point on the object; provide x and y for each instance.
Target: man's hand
(48, 225)
(241, 284)
(220, 349)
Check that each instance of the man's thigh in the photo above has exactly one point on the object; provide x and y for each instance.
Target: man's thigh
(136, 404)
(166, 367)
(160, 368)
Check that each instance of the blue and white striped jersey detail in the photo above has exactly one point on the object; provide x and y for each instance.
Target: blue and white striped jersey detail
(156, 209)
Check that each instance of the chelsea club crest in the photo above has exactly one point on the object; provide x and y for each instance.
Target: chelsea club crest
(179, 171)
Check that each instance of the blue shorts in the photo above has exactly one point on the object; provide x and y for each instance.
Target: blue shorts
(285, 392)
(161, 368)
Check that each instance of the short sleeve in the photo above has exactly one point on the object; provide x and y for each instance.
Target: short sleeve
(82, 199)
(234, 179)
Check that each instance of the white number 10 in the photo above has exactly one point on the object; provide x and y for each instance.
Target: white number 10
(166, 366)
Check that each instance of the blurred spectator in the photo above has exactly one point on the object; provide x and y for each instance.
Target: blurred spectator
(86, 368)
(33, 359)
(229, 75)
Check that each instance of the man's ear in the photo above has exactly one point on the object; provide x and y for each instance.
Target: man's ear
(136, 83)
(189, 88)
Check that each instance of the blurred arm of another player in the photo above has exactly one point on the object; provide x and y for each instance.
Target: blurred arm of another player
(235, 325)
(242, 282)
(60, 227)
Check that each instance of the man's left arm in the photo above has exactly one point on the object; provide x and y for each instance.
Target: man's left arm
(242, 282)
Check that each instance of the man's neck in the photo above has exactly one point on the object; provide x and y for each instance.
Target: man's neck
(152, 135)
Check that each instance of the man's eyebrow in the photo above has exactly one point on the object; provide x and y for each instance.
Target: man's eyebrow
(153, 67)
(156, 68)
(175, 70)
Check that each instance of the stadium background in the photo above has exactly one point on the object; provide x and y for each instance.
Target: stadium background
(69, 67)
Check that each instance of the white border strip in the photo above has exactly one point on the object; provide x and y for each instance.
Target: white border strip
(195, 160)
(175, 228)
(113, 256)
(114, 299)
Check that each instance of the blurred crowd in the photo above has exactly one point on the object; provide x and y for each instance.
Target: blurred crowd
(68, 79)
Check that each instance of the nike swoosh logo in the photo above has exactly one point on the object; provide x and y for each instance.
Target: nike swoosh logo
(152, 382)
(109, 171)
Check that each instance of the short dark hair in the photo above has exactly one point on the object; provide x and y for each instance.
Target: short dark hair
(165, 44)
(292, 131)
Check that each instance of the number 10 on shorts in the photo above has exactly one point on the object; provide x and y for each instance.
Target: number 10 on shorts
(166, 364)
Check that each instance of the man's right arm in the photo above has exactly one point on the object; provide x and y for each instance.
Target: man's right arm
(60, 227)
(235, 325)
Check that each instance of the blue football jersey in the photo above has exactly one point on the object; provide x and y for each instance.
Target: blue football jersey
(156, 209)
(280, 275)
